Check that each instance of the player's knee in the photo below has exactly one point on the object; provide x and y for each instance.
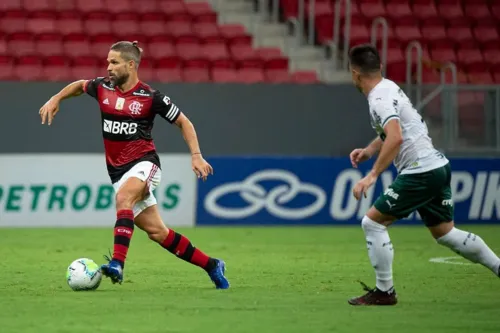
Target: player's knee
(158, 235)
(124, 200)
(369, 225)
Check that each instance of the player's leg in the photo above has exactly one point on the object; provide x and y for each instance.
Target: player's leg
(132, 188)
(150, 221)
(381, 254)
(404, 196)
(438, 217)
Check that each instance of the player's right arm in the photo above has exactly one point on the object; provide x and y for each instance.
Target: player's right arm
(51, 107)
(363, 154)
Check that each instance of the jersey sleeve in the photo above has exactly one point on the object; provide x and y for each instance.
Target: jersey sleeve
(90, 86)
(163, 106)
(385, 111)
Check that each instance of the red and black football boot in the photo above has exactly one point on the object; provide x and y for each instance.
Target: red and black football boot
(375, 297)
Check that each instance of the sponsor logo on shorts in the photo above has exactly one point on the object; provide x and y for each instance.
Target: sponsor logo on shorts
(390, 193)
(389, 204)
(447, 203)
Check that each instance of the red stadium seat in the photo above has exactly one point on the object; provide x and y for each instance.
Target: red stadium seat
(3, 45)
(57, 68)
(6, 68)
(147, 70)
(146, 7)
(196, 75)
(89, 5)
(86, 67)
(198, 8)
(168, 69)
(97, 23)
(214, 51)
(251, 75)
(6, 5)
(13, 21)
(372, 9)
(277, 75)
(477, 10)
(450, 10)
(75, 45)
(424, 10)
(49, 44)
(37, 5)
(28, 68)
(100, 44)
(224, 75)
(125, 25)
(152, 24)
(172, 8)
(206, 30)
(304, 77)
(21, 43)
(69, 23)
(121, 6)
(486, 32)
(161, 46)
(41, 22)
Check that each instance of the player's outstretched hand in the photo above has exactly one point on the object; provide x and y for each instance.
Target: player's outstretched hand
(201, 167)
(49, 110)
(358, 156)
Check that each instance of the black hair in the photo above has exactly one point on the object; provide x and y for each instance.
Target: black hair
(365, 57)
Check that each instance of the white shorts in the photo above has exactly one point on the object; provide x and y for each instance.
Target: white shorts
(147, 172)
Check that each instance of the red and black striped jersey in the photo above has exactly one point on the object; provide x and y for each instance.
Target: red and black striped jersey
(127, 122)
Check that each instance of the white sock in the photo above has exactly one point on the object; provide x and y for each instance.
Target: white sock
(471, 247)
(380, 252)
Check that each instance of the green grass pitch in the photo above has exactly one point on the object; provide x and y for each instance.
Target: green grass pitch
(283, 280)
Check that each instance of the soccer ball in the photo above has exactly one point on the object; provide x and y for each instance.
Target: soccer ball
(83, 274)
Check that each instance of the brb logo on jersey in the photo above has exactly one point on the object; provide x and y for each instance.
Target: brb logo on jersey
(118, 127)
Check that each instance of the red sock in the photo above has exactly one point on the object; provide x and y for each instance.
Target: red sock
(182, 248)
(124, 229)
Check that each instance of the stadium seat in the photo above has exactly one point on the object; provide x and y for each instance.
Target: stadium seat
(56, 68)
(69, 22)
(49, 44)
(86, 6)
(86, 67)
(6, 67)
(250, 75)
(21, 43)
(76, 44)
(224, 75)
(13, 21)
(125, 24)
(304, 77)
(28, 68)
(277, 75)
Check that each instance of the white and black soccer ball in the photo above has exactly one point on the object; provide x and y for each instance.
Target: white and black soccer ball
(83, 274)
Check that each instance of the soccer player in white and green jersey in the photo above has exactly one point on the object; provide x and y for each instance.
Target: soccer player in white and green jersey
(422, 184)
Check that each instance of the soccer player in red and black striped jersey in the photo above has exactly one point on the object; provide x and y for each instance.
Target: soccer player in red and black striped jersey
(128, 109)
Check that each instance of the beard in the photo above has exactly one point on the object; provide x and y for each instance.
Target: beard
(119, 80)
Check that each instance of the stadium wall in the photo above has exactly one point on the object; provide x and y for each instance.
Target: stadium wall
(305, 120)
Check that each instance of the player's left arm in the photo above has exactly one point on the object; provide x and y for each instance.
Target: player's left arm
(391, 145)
(163, 106)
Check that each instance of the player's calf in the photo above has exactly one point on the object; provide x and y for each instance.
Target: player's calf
(466, 244)
(126, 197)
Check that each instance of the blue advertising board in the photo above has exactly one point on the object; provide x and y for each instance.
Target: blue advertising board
(318, 191)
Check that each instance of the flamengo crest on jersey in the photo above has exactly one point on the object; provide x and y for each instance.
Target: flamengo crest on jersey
(417, 154)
